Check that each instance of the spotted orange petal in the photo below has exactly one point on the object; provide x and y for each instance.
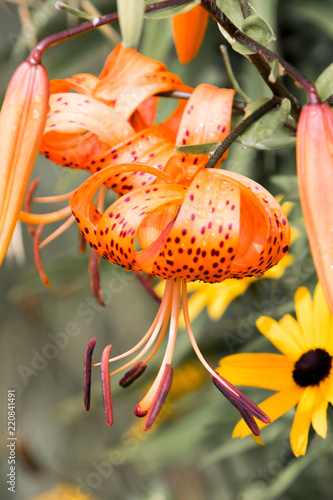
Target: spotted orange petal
(206, 117)
(128, 78)
(216, 228)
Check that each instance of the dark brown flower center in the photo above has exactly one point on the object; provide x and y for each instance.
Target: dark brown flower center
(312, 367)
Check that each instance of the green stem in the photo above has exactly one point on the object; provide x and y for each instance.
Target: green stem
(276, 87)
(231, 75)
(237, 131)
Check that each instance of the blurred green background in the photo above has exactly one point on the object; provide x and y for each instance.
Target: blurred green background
(189, 454)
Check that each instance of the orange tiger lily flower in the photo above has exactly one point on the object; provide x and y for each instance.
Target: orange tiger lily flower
(188, 32)
(205, 118)
(314, 149)
(191, 224)
(22, 122)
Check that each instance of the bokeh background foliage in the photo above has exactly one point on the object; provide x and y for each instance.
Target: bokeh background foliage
(189, 454)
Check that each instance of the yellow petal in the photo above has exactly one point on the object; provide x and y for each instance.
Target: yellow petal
(327, 387)
(300, 428)
(321, 317)
(227, 291)
(304, 313)
(290, 325)
(268, 371)
(329, 343)
(277, 271)
(319, 416)
(279, 337)
(275, 406)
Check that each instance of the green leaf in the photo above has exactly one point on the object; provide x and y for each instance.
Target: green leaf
(254, 26)
(207, 148)
(274, 71)
(232, 10)
(281, 139)
(170, 11)
(324, 83)
(267, 124)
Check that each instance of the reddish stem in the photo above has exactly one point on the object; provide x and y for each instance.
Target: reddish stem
(35, 56)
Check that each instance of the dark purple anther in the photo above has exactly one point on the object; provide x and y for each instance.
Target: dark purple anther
(87, 372)
(132, 374)
(244, 405)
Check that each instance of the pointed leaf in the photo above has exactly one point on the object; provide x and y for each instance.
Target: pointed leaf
(267, 124)
(254, 26)
(207, 148)
(324, 83)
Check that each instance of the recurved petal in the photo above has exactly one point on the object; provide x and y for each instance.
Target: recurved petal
(267, 371)
(147, 77)
(265, 232)
(152, 146)
(113, 234)
(206, 117)
(76, 114)
(300, 429)
(72, 150)
(275, 406)
(279, 337)
(205, 236)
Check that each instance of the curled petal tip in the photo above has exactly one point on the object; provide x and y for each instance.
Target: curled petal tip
(87, 372)
(132, 374)
(161, 394)
(106, 385)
